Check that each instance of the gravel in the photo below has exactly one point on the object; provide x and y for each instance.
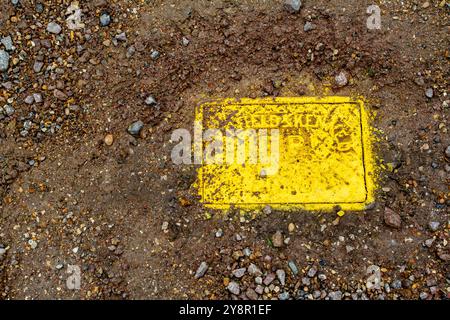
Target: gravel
(335, 295)
(239, 273)
(135, 128)
(312, 272)
(155, 54)
(254, 270)
(447, 152)
(268, 279)
(251, 294)
(293, 267)
(7, 42)
(283, 296)
(9, 111)
(396, 284)
(281, 275)
(54, 28)
(233, 287)
(37, 66)
(293, 6)
(4, 60)
(341, 79)
(429, 93)
(150, 100)
(105, 19)
(434, 225)
(201, 270)
(391, 218)
(277, 239)
(308, 26)
(185, 41)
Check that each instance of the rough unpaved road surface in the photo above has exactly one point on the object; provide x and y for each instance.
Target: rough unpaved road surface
(77, 189)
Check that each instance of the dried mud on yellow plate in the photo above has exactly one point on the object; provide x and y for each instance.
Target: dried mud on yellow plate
(290, 153)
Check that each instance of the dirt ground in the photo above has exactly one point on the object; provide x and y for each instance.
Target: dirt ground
(131, 219)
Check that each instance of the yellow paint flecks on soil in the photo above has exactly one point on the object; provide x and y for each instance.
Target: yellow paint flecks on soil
(290, 153)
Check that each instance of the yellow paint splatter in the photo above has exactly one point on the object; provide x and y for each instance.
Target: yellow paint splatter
(325, 156)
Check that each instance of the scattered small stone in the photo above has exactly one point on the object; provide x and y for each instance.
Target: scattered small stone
(201, 270)
(39, 7)
(254, 270)
(54, 28)
(37, 97)
(259, 289)
(322, 277)
(447, 152)
(396, 284)
(335, 295)
(293, 6)
(434, 225)
(277, 239)
(233, 287)
(150, 100)
(291, 227)
(29, 99)
(109, 139)
(154, 54)
(4, 60)
(121, 37)
(309, 26)
(33, 244)
(312, 272)
(239, 273)
(391, 218)
(219, 233)
(293, 267)
(7, 42)
(429, 93)
(105, 20)
(349, 248)
(58, 94)
(135, 128)
(247, 252)
(281, 275)
(9, 111)
(59, 266)
(423, 295)
(341, 79)
(185, 41)
(306, 281)
(251, 294)
(37, 66)
(283, 296)
(268, 279)
(267, 209)
(429, 242)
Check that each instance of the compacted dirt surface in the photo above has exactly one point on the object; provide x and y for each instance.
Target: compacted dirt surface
(79, 192)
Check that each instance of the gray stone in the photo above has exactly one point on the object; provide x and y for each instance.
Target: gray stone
(429, 93)
(37, 97)
(150, 100)
(312, 272)
(268, 279)
(7, 42)
(58, 94)
(281, 275)
(283, 296)
(341, 79)
(37, 66)
(4, 60)
(233, 287)
(293, 267)
(309, 26)
(155, 54)
(201, 270)
(135, 128)
(121, 37)
(105, 19)
(429, 242)
(185, 41)
(219, 233)
(396, 284)
(39, 7)
(9, 111)
(29, 99)
(434, 225)
(251, 294)
(254, 270)
(293, 6)
(423, 295)
(259, 289)
(335, 295)
(447, 152)
(306, 281)
(247, 252)
(54, 28)
(239, 273)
